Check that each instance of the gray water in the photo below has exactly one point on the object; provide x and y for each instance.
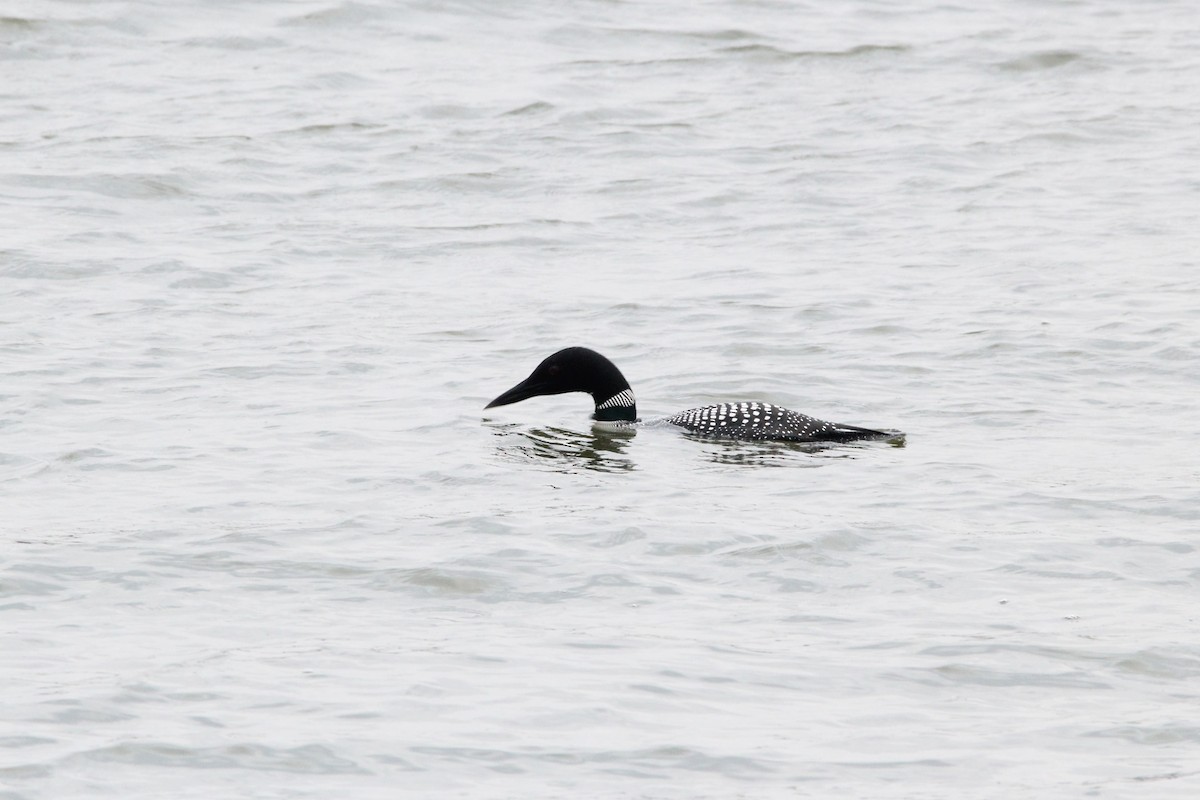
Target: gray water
(263, 265)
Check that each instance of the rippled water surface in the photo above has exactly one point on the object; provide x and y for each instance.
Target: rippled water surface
(264, 264)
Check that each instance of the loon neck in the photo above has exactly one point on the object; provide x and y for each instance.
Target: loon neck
(620, 407)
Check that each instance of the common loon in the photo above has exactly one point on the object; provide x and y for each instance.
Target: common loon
(578, 369)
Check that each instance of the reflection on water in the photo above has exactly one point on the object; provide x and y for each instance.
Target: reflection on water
(604, 450)
(784, 454)
(599, 449)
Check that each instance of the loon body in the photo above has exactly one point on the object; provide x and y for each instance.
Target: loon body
(578, 369)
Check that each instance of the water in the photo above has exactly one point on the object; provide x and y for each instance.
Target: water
(263, 265)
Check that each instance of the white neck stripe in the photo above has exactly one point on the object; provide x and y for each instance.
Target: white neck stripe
(624, 398)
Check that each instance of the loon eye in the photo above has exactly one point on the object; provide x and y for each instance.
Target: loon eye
(553, 370)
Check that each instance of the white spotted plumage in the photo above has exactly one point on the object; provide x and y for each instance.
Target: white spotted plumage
(752, 421)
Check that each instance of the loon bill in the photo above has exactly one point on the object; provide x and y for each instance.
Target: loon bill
(578, 369)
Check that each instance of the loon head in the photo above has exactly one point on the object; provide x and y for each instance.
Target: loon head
(578, 369)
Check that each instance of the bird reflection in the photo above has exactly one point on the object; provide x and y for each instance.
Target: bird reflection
(599, 449)
(783, 454)
(604, 449)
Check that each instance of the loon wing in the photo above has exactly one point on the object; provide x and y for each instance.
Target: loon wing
(763, 421)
